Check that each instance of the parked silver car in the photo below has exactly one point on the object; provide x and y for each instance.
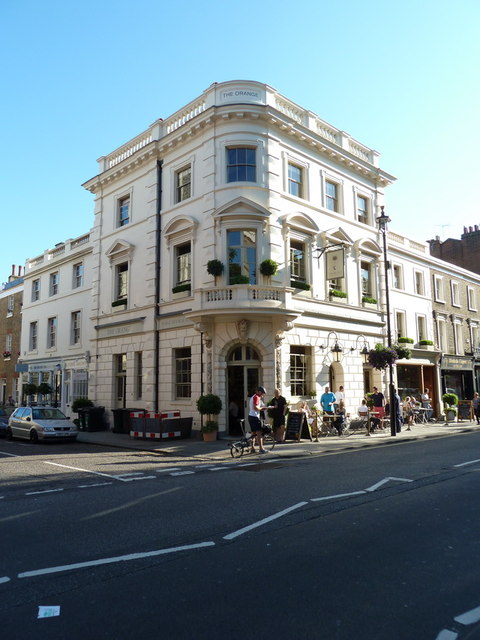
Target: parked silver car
(40, 423)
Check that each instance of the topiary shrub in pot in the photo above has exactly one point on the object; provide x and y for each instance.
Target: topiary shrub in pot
(450, 402)
(268, 268)
(209, 405)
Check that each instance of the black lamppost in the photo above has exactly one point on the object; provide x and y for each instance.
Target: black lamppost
(382, 222)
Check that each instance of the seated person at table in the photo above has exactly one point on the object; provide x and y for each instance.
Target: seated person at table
(339, 422)
(363, 409)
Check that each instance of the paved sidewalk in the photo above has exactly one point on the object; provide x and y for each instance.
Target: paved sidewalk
(196, 449)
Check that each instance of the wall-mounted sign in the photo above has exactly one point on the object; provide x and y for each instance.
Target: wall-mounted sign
(457, 363)
(335, 264)
(241, 94)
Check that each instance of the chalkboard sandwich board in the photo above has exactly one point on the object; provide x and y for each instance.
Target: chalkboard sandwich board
(297, 426)
(465, 410)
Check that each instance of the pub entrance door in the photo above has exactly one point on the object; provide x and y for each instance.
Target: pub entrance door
(243, 377)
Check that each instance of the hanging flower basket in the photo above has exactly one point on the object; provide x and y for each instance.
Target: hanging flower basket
(382, 357)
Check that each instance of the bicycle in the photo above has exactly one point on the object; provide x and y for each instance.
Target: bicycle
(238, 447)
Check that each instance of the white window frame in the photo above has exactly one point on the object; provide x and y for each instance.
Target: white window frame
(421, 326)
(75, 328)
(33, 336)
(119, 199)
(10, 306)
(176, 267)
(455, 293)
(8, 342)
(471, 299)
(52, 326)
(438, 288)
(180, 382)
(180, 187)
(54, 283)
(419, 282)
(35, 289)
(400, 327)
(458, 338)
(397, 283)
(78, 271)
(372, 277)
(442, 334)
(368, 207)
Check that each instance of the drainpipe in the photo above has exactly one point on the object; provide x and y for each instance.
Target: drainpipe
(157, 282)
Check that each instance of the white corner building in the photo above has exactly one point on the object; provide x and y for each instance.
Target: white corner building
(239, 176)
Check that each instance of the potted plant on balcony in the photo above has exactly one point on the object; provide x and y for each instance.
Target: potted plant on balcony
(403, 340)
(268, 268)
(450, 403)
(369, 302)
(426, 344)
(215, 268)
(382, 357)
(338, 296)
(183, 289)
(240, 279)
(299, 284)
(209, 405)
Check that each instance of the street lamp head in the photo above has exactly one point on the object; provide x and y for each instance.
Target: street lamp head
(383, 220)
(336, 350)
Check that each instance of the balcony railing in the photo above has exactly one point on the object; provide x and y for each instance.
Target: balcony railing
(243, 296)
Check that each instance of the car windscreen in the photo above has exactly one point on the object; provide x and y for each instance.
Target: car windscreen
(48, 414)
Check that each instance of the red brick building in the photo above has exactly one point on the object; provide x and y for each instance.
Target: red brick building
(11, 300)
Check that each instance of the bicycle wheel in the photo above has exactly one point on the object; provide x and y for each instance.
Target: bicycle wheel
(236, 450)
(268, 442)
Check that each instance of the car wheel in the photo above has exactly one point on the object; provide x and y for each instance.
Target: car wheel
(33, 437)
(9, 434)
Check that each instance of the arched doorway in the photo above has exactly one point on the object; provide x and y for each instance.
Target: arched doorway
(243, 376)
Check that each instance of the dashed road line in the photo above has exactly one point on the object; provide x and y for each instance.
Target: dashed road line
(101, 561)
(4, 579)
(464, 464)
(96, 473)
(95, 484)
(260, 523)
(36, 493)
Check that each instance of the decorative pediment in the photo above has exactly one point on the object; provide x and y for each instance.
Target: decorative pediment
(336, 235)
(368, 246)
(180, 226)
(119, 249)
(301, 222)
(242, 208)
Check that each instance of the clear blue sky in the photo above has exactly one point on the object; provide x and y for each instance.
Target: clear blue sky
(81, 78)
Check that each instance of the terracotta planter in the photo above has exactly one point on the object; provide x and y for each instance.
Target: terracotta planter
(210, 436)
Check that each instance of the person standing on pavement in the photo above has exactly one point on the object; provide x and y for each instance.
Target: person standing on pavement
(476, 406)
(398, 411)
(256, 405)
(278, 409)
(340, 397)
(426, 404)
(327, 400)
(378, 400)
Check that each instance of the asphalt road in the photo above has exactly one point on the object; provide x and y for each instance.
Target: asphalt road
(379, 543)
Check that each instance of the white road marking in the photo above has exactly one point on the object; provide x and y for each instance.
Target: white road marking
(96, 563)
(216, 469)
(133, 479)
(169, 469)
(96, 473)
(36, 493)
(95, 484)
(446, 634)
(464, 464)
(4, 579)
(469, 617)
(12, 455)
(235, 534)
(376, 486)
(339, 495)
(182, 473)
